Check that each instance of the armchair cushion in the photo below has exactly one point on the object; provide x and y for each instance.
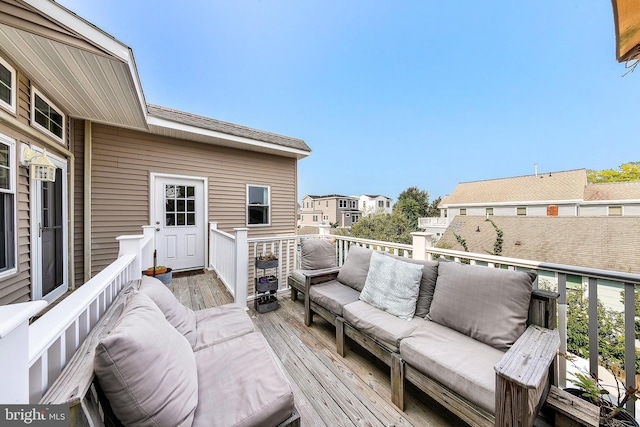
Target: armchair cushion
(392, 285)
(146, 368)
(333, 295)
(317, 253)
(488, 304)
(355, 268)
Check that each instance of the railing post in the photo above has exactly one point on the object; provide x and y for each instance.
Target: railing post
(421, 241)
(212, 226)
(14, 350)
(136, 245)
(242, 265)
(324, 229)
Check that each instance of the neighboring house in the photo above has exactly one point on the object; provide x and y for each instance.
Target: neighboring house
(369, 204)
(329, 209)
(608, 243)
(564, 193)
(69, 88)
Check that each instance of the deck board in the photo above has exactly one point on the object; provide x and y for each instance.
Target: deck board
(329, 390)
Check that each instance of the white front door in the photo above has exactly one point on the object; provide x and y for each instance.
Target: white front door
(179, 214)
(50, 234)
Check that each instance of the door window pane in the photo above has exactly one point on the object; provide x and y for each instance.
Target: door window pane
(180, 205)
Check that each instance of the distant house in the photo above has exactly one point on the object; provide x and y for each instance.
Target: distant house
(564, 193)
(69, 88)
(329, 209)
(369, 204)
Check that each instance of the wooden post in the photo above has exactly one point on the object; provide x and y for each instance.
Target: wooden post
(340, 336)
(421, 241)
(324, 229)
(397, 381)
(14, 350)
(242, 266)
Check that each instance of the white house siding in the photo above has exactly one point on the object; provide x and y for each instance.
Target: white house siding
(631, 210)
(504, 211)
(567, 210)
(537, 210)
(593, 210)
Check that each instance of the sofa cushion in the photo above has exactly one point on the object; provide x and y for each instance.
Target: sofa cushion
(385, 328)
(241, 384)
(427, 283)
(182, 318)
(317, 253)
(392, 285)
(490, 305)
(146, 368)
(221, 323)
(355, 268)
(333, 295)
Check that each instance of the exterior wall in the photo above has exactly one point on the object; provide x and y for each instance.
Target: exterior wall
(593, 210)
(631, 209)
(122, 163)
(368, 205)
(76, 143)
(567, 210)
(536, 210)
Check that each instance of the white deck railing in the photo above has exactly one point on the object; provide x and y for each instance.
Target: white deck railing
(32, 356)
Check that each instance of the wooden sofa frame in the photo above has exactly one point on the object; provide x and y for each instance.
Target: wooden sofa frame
(78, 387)
(541, 320)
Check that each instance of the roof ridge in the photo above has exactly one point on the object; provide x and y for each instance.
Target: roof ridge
(523, 176)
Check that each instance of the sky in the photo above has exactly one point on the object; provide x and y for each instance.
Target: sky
(394, 94)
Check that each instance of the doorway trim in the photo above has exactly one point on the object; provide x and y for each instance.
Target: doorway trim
(36, 246)
(205, 217)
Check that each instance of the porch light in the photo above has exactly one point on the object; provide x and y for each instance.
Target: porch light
(40, 168)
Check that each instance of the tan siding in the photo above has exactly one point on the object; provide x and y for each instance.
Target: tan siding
(76, 144)
(24, 99)
(124, 159)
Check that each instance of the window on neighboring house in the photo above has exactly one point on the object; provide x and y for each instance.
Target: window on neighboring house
(326, 204)
(347, 215)
(615, 210)
(46, 116)
(381, 203)
(258, 203)
(364, 204)
(7, 209)
(318, 202)
(355, 218)
(463, 211)
(7, 86)
(342, 203)
(521, 211)
(315, 218)
(488, 211)
(388, 204)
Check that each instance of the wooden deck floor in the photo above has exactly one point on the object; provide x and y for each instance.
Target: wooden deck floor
(329, 390)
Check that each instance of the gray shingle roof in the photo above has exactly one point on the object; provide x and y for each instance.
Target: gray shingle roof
(225, 127)
(609, 243)
(613, 191)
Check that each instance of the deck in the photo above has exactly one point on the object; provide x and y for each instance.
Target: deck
(329, 390)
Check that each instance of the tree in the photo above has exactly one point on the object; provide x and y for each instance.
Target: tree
(433, 211)
(384, 227)
(412, 203)
(626, 172)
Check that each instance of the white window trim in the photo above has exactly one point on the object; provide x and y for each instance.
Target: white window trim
(268, 187)
(526, 210)
(34, 92)
(615, 206)
(14, 88)
(11, 143)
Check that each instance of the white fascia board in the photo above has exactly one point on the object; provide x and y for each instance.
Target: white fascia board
(155, 121)
(521, 203)
(68, 19)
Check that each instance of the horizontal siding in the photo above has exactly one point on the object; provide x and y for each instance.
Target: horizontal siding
(24, 99)
(76, 143)
(123, 161)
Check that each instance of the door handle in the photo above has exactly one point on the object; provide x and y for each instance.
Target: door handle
(158, 229)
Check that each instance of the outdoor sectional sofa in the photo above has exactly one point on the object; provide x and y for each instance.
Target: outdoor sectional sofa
(479, 340)
(153, 361)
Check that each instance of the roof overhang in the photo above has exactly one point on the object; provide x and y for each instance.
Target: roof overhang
(520, 203)
(626, 16)
(90, 74)
(164, 127)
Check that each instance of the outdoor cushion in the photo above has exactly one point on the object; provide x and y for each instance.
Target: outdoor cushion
(385, 328)
(317, 253)
(427, 283)
(146, 368)
(355, 268)
(221, 323)
(392, 285)
(241, 384)
(182, 318)
(488, 304)
(333, 295)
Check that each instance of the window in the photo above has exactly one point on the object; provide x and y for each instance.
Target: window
(7, 86)
(355, 219)
(258, 199)
(180, 205)
(46, 116)
(364, 203)
(615, 210)
(326, 204)
(342, 203)
(522, 211)
(388, 204)
(7, 210)
(381, 203)
(488, 211)
(463, 211)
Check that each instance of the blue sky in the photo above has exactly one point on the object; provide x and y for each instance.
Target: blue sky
(390, 95)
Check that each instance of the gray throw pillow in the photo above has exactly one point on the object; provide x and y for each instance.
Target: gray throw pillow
(355, 268)
(317, 253)
(147, 369)
(392, 285)
(490, 305)
(427, 283)
(182, 318)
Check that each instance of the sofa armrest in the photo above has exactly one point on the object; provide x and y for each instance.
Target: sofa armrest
(528, 360)
(313, 277)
